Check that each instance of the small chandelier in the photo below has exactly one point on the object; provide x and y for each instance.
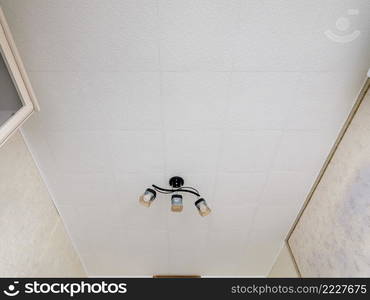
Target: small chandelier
(177, 189)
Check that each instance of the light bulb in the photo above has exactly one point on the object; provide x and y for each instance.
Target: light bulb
(176, 203)
(202, 207)
(147, 198)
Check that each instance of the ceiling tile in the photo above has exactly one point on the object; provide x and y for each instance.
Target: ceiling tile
(144, 253)
(92, 226)
(92, 229)
(141, 218)
(187, 261)
(195, 100)
(272, 222)
(261, 100)
(194, 242)
(311, 115)
(191, 151)
(226, 249)
(88, 218)
(323, 100)
(276, 191)
(147, 242)
(197, 35)
(232, 218)
(239, 188)
(137, 151)
(255, 153)
(134, 100)
(102, 262)
(274, 35)
(67, 35)
(70, 101)
(79, 101)
(296, 33)
(340, 48)
(84, 189)
(83, 152)
(259, 257)
(303, 150)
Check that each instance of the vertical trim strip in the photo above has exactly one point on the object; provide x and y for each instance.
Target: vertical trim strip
(341, 134)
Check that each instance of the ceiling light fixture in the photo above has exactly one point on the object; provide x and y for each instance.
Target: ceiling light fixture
(177, 184)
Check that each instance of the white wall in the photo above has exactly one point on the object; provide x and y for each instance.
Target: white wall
(33, 242)
(284, 265)
(332, 237)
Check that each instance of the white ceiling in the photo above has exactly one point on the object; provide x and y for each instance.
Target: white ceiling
(242, 98)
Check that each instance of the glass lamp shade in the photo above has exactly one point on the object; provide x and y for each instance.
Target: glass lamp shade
(147, 198)
(202, 207)
(176, 203)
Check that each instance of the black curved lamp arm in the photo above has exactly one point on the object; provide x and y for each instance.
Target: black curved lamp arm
(170, 191)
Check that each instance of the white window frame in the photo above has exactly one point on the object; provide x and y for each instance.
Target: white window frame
(20, 80)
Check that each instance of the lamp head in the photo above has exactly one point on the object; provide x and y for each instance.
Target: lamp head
(176, 203)
(202, 207)
(148, 197)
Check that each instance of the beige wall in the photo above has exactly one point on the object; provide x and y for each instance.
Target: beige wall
(33, 241)
(332, 237)
(284, 265)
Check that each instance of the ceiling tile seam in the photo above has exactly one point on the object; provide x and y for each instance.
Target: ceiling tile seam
(237, 28)
(108, 131)
(226, 128)
(268, 174)
(248, 235)
(237, 4)
(161, 99)
(223, 132)
(110, 164)
(293, 103)
(268, 177)
(164, 154)
(92, 71)
(159, 36)
(222, 136)
(52, 155)
(162, 123)
(260, 200)
(364, 70)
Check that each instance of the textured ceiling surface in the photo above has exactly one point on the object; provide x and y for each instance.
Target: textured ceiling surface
(242, 98)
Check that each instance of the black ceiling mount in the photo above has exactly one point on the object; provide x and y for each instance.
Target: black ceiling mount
(177, 185)
(176, 182)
